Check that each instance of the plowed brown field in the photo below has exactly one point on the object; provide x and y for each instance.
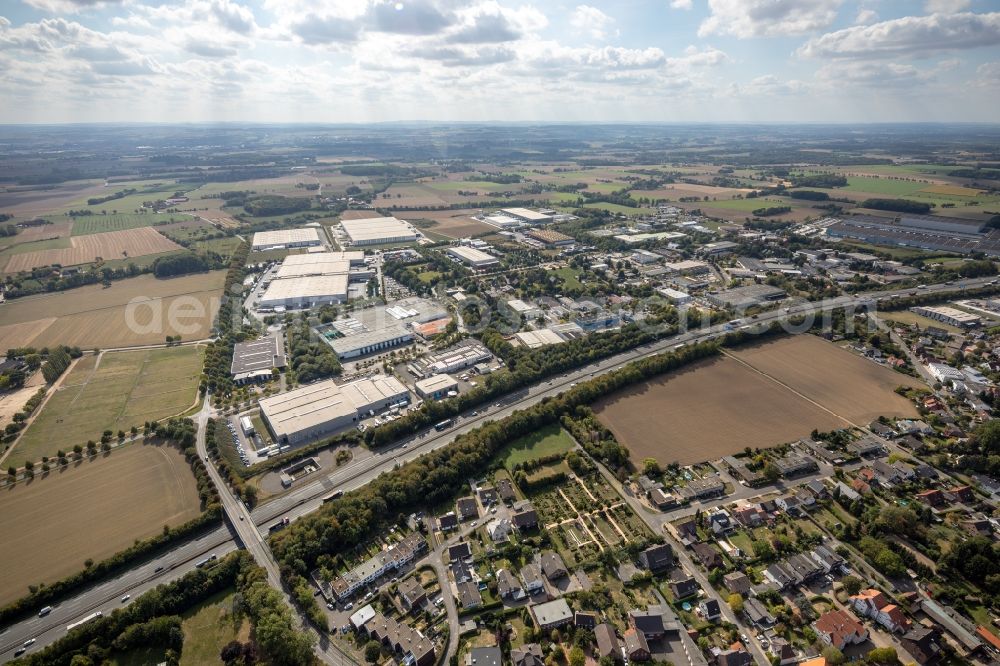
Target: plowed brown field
(109, 245)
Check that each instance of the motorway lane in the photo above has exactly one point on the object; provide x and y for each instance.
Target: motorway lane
(308, 497)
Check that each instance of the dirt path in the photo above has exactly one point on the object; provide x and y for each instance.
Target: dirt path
(614, 523)
(585, 488)
(582, 522)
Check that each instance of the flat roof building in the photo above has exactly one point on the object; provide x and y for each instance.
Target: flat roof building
(473, 257)
(947, 315)
(458, 358)
(527, 215)
(378, 231)
(540, 338)
(744, 297)
(305, 292)
(255, 359)
(370, 342)
(286, 238)
(324, 408)
(436, 387)
(550, 238)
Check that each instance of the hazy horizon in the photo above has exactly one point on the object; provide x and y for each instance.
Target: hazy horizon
(371, 61)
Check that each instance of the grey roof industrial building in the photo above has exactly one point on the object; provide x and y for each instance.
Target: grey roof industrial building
(286, 238)
(929, 232)
(744, 297)
(473, 257)
(379, 328)
(310, 280)
(323, 408)
(378, 231)
(255, 359)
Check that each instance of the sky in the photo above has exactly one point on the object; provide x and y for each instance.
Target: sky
(499, 60)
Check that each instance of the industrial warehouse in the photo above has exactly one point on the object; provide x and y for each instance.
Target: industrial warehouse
(475, 258)
(324, 408)
(527, 215)
(314, 279)
(379, 328)
(378, 231)
(284, 239)
(929, 232)
(255, 359)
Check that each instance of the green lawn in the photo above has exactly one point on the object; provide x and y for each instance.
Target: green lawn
(548, 441)
(427, 276)
(128, 388)
(570, 277)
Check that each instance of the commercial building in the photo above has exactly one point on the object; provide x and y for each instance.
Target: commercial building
(436, 387)
(526, 310)
(324, 408)
(321, 263)
(929, 232)
(745, 297)
(687, 267)
(378, 231)
(282, 239)
(550, 238)
(254, 360)
(472, 257)
(675, 296)
(305, 292)
(527, 216)
(458, 358)
(948, 315)
(718, 249)
(363, 343)
(539, 338)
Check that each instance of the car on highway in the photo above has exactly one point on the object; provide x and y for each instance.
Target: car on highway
(19, 651)
(126, 598)
(45, 611)
(158, 569)
(28, 643)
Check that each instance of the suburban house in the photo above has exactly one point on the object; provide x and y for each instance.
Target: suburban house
(459, 551)
(468, 595)
(585, 619)
(872, 603)
(795, 465)
(506, 490)
(402, 639)
(607, 642)
(757, 613)
(648, 624)
(657, 559)
(524, 517)
(553, 566)
(923, 644)
(933, 498)
(527, 655)
(551, 614)
(508, 587)
(839, 629)
(682, 585)
(531, 576)
(412, 594)
(466, 508)
(448, 521)
(636, 647)
(709, 557)
(710, 609)
(736, 655)
(737, 582)
(484, 656)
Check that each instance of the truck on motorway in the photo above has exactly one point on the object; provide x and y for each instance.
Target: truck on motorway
(447, 423)
(211, 558)
(280, 525)
(336, 494)
(90, 618)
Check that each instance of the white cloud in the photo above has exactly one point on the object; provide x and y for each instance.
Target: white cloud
(946, 6)
(591, 21)
(865, 16)
(988, 75)
(767, 18)
(681, 4)
(911, 35)
(69, 6)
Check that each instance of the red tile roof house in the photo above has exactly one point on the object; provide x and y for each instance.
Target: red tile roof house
(839, 629)
(873, 604)
(933, 497)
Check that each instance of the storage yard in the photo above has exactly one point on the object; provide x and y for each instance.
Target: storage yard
(91, 511)
(719, 406)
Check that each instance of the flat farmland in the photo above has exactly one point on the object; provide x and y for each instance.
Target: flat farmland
(114, 391)
(850, 386)
(91, 511)
(766, 396)
(674, 192)
(85, 249)
(93, 316)
(42, 232)
(359, 214)
(708, 410)
(450, 223)
(96, 224)
(32, 201)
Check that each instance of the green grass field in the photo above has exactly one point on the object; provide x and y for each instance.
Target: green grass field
(896, 188)
(547, 441)
(207, 629)
(223, 246)
(96, 224)
(125, 389)
(456, 185)
(34, 246)
(616, 208)
(747, 204)
(569, 276)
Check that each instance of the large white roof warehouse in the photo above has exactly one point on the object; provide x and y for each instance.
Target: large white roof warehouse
(378, 230)
(285, 238)
(323, 408)
(305, 292)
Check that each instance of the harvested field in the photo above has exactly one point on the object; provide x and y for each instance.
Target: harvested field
(719, 406)
(32, 201)
(84, 249)
(93, 316)
(59, 229)
(676, 191)
(850, 386)
(450, 223)
(359, 214)
(91, 511)
(116, 392)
